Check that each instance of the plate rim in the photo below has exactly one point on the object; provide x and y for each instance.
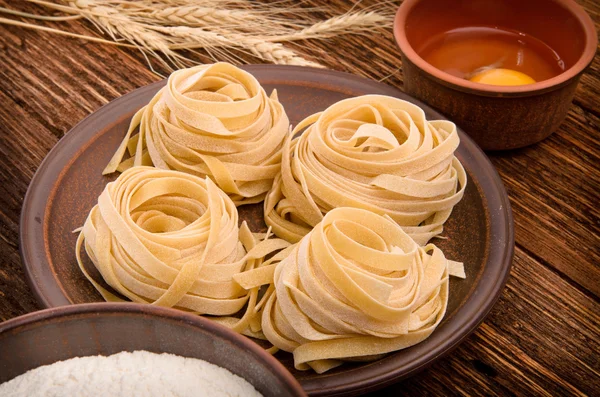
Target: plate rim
(31, 227)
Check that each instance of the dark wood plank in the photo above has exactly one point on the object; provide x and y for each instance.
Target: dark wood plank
(542, 336)
(554, 188)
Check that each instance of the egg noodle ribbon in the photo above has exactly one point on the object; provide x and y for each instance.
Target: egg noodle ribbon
(373, 152)
(172, 239)
(210, 120)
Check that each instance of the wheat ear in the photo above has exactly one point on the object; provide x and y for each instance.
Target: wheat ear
(275, 52)
(200, 38)
(199, 16)
(348, 23)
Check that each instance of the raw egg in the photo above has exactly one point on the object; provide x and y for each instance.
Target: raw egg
(508, 57)
(501, 76)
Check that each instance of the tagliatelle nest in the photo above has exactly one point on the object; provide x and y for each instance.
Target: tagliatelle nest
(354, 288)
(172, 239)
(211, 120)
(372, 152)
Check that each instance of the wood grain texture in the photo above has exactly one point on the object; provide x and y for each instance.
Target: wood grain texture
(542, 337)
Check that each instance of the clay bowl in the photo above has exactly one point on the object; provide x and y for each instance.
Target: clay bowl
(51, 335)
(497, 117)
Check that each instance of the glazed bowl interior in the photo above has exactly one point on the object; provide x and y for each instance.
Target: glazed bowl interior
(561, 24)
(52, 335)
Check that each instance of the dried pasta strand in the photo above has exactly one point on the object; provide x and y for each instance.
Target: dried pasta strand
(211, 120)
(332, 304)
(372, 152)
(172, 239)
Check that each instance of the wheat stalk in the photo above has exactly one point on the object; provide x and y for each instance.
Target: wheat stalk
(40, 17)
(12, 22)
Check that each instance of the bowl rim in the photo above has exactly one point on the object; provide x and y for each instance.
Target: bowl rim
(96, 309)
(447, 79)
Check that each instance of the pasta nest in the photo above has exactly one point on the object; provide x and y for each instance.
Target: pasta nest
(356, 287)
(172, 239)
(372, 152)
(211, 120)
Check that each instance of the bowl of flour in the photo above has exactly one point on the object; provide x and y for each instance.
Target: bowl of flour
(126, 349)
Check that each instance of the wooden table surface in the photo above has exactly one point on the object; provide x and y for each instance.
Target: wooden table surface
(543, 335)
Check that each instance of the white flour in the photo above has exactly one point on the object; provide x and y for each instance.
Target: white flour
(139, 373)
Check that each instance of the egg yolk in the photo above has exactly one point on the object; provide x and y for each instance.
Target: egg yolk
(502, 77)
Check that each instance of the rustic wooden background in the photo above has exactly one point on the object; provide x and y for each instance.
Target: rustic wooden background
(542, 337)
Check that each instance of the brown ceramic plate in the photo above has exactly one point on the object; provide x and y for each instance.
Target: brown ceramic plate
(67, 184)
(57, 334)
